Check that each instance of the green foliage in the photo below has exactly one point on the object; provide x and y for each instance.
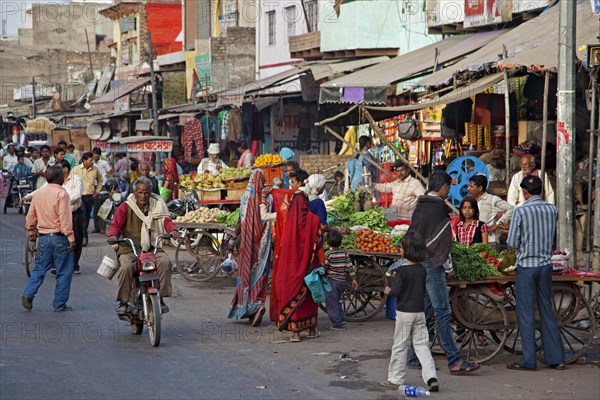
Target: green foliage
(229, 220)
(468, 265)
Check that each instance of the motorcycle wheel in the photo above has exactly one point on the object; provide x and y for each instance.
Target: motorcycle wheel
(154, 319)
(137, 328)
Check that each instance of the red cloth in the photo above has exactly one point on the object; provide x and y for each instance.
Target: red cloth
(171, 177)
(301, 252)
(192, 134)
(281, 200)
(120, 218)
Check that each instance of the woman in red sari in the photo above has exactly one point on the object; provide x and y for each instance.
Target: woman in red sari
(301, 251)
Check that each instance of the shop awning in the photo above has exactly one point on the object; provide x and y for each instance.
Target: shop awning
(534, 42)
(283, 81)
(371, 84)
(381, 113)
(120, 91)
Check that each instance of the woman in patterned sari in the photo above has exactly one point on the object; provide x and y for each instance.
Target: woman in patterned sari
(254, 255)
(300, 252)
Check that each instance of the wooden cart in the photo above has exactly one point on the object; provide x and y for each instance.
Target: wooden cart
(201, 250)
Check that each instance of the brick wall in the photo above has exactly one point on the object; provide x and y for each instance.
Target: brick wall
(232, 58)
(314, 163)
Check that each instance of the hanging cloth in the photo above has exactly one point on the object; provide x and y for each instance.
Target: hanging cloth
(192, 134)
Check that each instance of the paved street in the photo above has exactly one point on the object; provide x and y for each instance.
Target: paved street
(90, 354)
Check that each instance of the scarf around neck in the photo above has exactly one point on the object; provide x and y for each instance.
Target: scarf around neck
(153, 224)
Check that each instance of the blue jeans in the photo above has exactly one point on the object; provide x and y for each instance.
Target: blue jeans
(534, 286)
(52, 250)
(437, 292)
(332, 300)
(87, 204)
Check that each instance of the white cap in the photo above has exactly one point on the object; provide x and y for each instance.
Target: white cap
(213, 148)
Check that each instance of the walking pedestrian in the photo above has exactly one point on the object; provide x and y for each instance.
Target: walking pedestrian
(431, 221)
(531, 234)
(92, 183)
(49, 220)
(409, 290)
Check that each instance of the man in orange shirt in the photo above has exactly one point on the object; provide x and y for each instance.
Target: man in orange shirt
(50, 222)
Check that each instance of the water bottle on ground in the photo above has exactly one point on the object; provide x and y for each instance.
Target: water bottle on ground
(413, 391)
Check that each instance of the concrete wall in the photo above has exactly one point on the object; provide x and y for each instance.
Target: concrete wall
(232, 58)
(374, 24)
(174, 90)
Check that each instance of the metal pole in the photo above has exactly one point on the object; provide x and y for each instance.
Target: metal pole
(89, 53)
(545, 131)
(33, 97)
(588, 242)
(506, 118)
(565, 138)
(150, 60)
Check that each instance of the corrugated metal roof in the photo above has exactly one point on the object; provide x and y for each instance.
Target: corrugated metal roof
(534, 42)
(408, 64)
(120, 91)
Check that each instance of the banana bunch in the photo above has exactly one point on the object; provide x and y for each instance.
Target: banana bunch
(267, 159)
(201, 181)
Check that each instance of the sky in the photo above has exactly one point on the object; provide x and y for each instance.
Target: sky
(13, 11)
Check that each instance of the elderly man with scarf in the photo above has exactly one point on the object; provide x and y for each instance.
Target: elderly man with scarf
(142, 218)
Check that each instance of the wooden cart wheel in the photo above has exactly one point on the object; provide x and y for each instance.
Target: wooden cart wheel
(199, 263)
(368, 299)
(575, 321)
(479, 314)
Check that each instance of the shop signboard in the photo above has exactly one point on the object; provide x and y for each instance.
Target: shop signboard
(150, 146)
(487, 12)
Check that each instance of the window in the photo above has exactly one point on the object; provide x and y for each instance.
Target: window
(312, 13)
(290, 18)
(271, 27)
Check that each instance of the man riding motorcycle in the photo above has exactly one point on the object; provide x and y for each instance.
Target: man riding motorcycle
(142, 217)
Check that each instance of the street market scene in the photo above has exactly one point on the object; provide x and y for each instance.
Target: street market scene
(304, 199)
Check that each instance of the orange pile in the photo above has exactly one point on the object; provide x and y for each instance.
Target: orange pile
(370, 241)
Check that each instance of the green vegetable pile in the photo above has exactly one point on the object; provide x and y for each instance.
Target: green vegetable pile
(468, 265)
(348, 241)
(484, 248)
(229, 220)
(343, 213)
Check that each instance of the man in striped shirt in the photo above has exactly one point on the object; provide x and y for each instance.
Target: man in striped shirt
(405, 191)
(531, 234)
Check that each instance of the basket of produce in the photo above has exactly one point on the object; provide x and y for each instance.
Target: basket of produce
(201, 181)
(268, 160)
(234, 174)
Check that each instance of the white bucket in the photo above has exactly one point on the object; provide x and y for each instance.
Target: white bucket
(108, 268)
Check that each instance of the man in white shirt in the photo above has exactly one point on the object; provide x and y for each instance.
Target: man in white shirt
(212, 164)
(405, 191)
(515, 194)
(10, 159)
(40, 165)
(489, 207)
(102, 165)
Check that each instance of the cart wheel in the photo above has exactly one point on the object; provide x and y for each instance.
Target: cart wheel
(575, 321)
(479, 314)
(198, 263)
(368, 299)
(183, 232)
(29, 262)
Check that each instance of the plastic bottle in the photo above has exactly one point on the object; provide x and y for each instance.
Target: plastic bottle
(413, 391)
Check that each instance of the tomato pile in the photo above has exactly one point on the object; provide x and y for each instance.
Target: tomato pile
(492, 260)
(370, 241)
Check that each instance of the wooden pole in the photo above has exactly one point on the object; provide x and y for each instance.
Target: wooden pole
(399, 155)
(340, 115)
(545, 132)
(506, 118)
(368, 158)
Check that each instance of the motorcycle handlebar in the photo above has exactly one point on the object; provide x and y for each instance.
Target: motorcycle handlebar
(136, 251)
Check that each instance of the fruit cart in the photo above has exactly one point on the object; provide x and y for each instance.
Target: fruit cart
(199, 260)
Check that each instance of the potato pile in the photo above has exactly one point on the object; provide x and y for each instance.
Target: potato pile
(203, 215)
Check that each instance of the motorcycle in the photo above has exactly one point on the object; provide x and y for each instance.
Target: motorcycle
(144, 302)
(20, 188)
(112, 195)
(180, 207)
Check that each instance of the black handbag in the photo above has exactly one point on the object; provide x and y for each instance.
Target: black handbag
(409, 129)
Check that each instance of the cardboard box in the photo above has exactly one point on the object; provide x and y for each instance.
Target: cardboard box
(235, 194)
(208, 195)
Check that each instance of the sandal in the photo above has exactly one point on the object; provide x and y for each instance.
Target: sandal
(517, 367)
(313, 334)
(466, 367)
(295, 339)
(559, 367)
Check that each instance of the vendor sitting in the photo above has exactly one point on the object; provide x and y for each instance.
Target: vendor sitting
(212, 164)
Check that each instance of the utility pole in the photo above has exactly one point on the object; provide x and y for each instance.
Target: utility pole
(150, 59)
(33, 97)
(565, 139)
(89, 53)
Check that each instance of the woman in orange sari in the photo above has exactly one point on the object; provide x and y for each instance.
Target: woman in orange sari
(300, 252)
(170, 177)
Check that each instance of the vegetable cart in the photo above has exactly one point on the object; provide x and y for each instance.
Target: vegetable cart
(368, 299)
(198, 260)
(486, 321)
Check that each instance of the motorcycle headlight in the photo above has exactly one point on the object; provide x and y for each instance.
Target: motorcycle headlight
(148, 266)
(116, 197)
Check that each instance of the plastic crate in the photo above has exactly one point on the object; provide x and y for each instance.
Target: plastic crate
(272, 173)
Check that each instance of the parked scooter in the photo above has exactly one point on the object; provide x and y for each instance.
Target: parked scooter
(144, 302)
(112, 195)
(19, 189)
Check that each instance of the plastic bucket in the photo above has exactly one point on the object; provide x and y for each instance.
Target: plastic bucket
(108, 268)
(165, 193)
